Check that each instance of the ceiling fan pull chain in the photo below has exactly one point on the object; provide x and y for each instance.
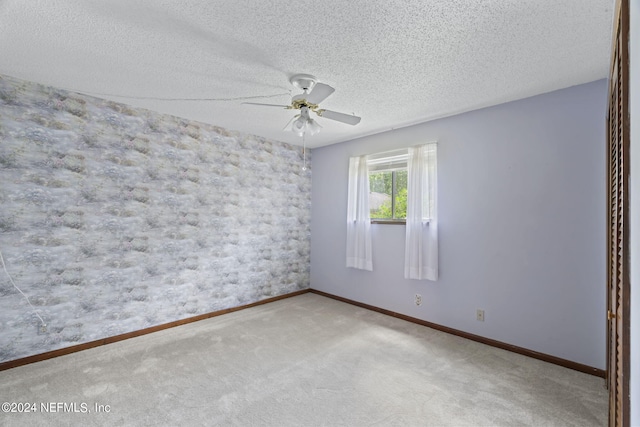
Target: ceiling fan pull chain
(304, 153)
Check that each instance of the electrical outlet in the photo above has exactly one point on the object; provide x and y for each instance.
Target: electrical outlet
(418, 299)
(480, 315)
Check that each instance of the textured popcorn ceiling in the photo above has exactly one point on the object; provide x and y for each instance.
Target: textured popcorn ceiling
(393, 62)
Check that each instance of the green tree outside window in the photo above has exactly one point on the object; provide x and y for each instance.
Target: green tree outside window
(388, 194)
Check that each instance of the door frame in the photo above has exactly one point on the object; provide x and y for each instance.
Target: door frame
(618, 261)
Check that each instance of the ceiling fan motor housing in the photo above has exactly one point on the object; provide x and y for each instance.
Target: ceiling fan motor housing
(303, 81)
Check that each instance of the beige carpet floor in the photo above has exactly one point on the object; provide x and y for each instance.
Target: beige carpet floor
(302, 361)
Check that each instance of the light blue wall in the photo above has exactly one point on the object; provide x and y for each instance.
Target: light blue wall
(114, 219)
(522, 225)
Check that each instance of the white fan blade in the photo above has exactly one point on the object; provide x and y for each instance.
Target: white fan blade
(266, 105)
(319, 93)
(340, 117)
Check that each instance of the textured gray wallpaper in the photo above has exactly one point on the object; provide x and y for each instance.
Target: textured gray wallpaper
(114, 219)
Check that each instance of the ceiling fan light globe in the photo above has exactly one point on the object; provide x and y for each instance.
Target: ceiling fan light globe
(313, 127)
(298, 125)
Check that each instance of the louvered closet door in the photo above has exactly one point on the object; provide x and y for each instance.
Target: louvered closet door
(618, 241)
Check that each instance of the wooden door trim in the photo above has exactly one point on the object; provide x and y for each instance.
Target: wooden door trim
(620, 59)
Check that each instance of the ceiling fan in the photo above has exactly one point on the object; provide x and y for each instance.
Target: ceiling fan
(306, 102)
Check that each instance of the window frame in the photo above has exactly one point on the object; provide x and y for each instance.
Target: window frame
(389, 161)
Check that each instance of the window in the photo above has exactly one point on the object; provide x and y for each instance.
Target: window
(388, 186)
(396, 187)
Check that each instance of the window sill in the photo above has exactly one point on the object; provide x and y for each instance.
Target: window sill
(389, 221)
(395, 221)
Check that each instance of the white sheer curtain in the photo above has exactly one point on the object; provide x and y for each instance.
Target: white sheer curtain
(358, 221)
(421, 246)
